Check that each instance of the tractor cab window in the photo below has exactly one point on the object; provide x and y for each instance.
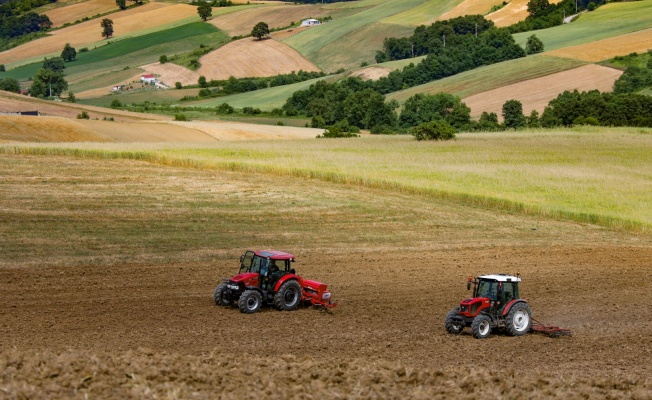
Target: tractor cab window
(245, 261)
(509, 291)
(487, 289)
(258, 264)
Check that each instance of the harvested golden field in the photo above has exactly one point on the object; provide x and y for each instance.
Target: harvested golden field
(604, 49)
(470, 7)
(107, 271)
(249, 58)
(170, 73)
(373, 73)
(535, 94)
(125, 22)
(513, 12)
(45, 129)
(276, 16)
(77, 11)
(282, 35)
(243, 131)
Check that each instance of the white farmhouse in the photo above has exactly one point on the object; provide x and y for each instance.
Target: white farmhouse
(310, 22)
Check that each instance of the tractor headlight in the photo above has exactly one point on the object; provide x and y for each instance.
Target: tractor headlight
(326, 296)
(233, 287)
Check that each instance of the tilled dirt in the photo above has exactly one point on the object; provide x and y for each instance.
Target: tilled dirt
(135, 330)
(151, 330)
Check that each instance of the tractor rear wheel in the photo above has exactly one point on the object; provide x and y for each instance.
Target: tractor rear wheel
(288, 296)
(481, 326)
(518, 320)
(452, 323)
(219, 295)
(250, 301)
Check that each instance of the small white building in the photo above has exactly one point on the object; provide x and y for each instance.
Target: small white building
(310, 22)
(148, 78)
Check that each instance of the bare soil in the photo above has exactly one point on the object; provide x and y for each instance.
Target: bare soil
(535, 94)
(77, 11)
(470, 7)
(373, 73)
(250, 58)
(513, 12)
(71, 328)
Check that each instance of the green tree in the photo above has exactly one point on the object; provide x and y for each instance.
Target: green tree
(202, 81)
(107, 28)
(2, 68)
(71, 97)
(121, 3)
(538, 8)
(205, 10)
(178, 85)
(260, 30)
(534, 45)
(533, 120)
(9, 85)
(434, 130)
(69, 53)
(49, 80)
(513, 114)
(163, 59)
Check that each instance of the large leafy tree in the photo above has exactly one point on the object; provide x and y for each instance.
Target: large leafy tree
(533, 45)
(205, 10)
(260, 30)
(49, 80)
(69, 53)
(107, 28)
(9, 85)
(121, 3)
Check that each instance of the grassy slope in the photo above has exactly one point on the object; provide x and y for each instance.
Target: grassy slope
(491, 77)
(586, 174)
(335, 33)
(423, 14)
(607, 21)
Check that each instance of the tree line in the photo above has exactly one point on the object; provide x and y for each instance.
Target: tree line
(17, 18)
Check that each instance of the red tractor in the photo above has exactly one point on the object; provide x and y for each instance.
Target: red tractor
(266, 277)
(495, 304)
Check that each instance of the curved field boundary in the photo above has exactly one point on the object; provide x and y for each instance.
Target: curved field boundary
(74, 12)
(515, 11)
(253, 58)
(126, 22)
(471, 7)
(424, 14)
(491, 77)
(608, 48)
(535, 94)
(610, 20)
(474, 200)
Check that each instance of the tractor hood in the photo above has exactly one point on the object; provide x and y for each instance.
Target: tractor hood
(247, 276)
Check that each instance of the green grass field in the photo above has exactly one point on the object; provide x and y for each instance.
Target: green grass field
(423, 13)
(156, 96)
(601, 176)
(492, 76)
(607, 21)
(309, 42)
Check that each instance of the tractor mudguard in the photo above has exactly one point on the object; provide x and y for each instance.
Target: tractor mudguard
(511, 304)
(286, 278)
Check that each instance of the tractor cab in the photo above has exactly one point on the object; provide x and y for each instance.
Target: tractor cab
(496, 303)
(267, 267)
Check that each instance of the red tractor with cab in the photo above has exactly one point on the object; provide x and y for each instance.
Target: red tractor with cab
(495, 305)
(267, 278)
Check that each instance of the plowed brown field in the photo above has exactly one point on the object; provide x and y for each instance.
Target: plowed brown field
(535, 94)
(120, 306)
(248, 57)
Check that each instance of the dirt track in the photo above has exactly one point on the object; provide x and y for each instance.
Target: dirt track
(145, 329)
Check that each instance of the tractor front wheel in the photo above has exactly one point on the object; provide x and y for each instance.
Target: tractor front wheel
(288, 296)
(481, 326)
(219, 295)
(452, 323)
(518, 319)
(250, 301)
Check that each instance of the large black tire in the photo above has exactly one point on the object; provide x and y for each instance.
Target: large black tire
(481, 326)
(250, 301)
(518, 320)
(288, 296)
(453, 325)
(218, 295)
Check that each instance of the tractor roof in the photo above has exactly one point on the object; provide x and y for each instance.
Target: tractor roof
(274, 254)
(501, 278)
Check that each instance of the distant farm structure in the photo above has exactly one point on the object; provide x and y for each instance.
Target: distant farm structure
(310, 22)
